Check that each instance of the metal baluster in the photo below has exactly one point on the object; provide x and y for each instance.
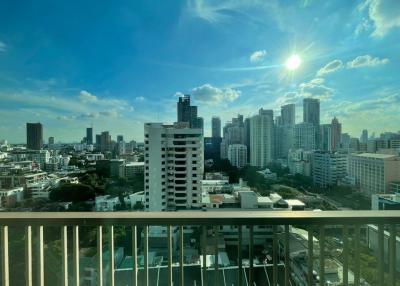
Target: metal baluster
(322, 255)
(380, 255)
(182, 281)
(287, 252)
(240, 264)
(346, 256)
(310, 256)
(251, 254)
(64, 254)
(99, 255)
(28, 255)
(146, 255)
(357, 255)
(4, 256)
(392, 255)
(40, 256)
(169, 242)
(111, 254)
(134, 256)
(75, 253)
(275, 256)
(216, 258)
(204, 248)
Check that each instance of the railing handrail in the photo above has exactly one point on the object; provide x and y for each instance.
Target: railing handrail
(201, 218)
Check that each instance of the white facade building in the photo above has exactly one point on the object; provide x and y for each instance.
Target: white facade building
(174, 166)
(373, 173)
(328, 168)
(130, 170)
(237, 155)
(262, 138)
(304, 136)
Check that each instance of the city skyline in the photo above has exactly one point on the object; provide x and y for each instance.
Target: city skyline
(119, 72)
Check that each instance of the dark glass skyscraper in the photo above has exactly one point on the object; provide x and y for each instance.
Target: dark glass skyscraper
(311, 114)
(311, 111)
(34, 136)
(188, 113)
(89, 135)
(216, 127)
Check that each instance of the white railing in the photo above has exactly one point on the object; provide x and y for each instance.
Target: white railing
(313, 221)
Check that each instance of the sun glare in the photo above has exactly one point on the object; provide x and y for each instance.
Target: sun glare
(293, 62)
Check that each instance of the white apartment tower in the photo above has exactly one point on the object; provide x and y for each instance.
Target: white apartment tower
(237, 155)
(174, 166)
(262, 138)
(304, 136)
(328, 168)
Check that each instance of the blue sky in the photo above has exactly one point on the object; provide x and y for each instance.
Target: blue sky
(117, 65)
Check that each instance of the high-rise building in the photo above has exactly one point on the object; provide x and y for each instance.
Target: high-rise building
(247, 137)
(284, 140)
(188, 113)
(345, 141)
(326, 137)
(233, 133)
(311, 113)
(98, 141)
(89, 135)
(304, 136)
(373, 173)
(237, 155)
(262, 138)
(215, 127)
(51, 141)
(34, 136)
(336, 134)
(105, 141)
(288, 114)
(364, 136)
(328, 168)
(120, 138)
(174, 166)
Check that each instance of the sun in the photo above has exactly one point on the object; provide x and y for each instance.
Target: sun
(293, 62)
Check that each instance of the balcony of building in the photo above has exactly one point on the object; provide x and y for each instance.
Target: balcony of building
(200, 248)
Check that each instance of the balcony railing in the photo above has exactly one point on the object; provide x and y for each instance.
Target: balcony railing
(279, 221)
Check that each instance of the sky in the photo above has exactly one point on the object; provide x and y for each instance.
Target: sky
(118, 64)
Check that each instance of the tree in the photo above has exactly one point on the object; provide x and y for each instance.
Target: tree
(72, 193)
(138, 206)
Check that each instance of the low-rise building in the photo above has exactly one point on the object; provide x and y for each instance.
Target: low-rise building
(385, 201)
(130, 170)
(373, 173)
(106, 203)
(9, 197)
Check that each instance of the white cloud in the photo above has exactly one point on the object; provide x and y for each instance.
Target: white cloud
(258, 56)
(385, 14)
(86, 96)
(315, 90)
(330, 67)
(139, 98)
(210, 94)
(366, 60)
(207, 11)
(3, 47)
